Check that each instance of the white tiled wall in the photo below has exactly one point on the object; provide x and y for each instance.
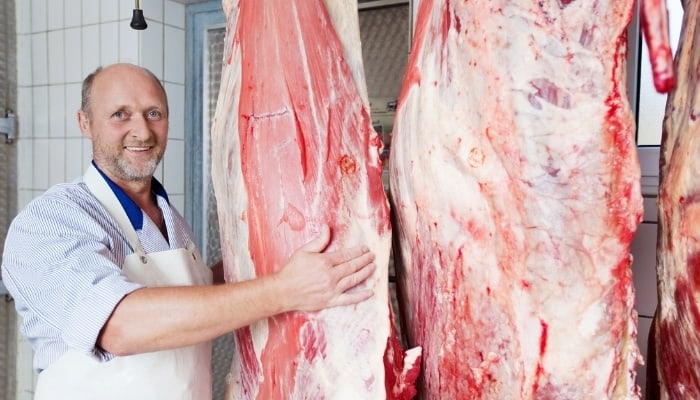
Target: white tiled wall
(58, 43)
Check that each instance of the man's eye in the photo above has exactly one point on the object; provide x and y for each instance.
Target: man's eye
(154, 114)
(119, 115)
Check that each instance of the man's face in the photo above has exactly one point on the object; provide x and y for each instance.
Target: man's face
(128, 123)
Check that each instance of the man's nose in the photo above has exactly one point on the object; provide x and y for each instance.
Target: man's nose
(140, 127)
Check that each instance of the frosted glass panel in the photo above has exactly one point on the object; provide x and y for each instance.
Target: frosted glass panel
(214, 54)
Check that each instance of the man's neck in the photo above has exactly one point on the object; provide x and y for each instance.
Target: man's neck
(138, 190)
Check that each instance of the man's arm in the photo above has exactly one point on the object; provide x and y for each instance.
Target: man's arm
(151, 319)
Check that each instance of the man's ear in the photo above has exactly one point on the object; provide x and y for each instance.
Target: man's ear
(84, 124)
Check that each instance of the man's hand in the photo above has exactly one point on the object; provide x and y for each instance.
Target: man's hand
(312, 280)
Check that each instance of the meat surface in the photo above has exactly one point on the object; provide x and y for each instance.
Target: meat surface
(293, 148)
(516, 188)
(677, 337)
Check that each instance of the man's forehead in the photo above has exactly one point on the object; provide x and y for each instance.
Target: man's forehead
(129, 81)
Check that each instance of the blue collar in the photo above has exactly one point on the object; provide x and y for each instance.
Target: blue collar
(132, 210)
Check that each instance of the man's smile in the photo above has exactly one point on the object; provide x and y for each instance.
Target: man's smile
(138, 148)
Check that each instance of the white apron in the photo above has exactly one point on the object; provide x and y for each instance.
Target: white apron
(180, 374)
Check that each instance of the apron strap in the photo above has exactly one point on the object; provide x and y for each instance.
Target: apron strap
(101, 190)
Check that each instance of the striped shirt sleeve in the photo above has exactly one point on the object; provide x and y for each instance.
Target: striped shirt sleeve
(62, 264)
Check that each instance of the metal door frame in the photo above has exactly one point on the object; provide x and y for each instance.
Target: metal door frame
(9, 335)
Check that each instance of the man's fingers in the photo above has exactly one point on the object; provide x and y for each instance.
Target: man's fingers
(356, 267)
(356, 277)
(355, 258)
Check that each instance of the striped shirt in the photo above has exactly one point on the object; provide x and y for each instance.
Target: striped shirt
(62, 264)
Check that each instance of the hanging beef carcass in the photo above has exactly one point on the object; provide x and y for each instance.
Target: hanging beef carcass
(677, 325)
(293, 148)
(516, 188)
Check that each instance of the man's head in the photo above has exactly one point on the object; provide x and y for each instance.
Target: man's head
(124, 112)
